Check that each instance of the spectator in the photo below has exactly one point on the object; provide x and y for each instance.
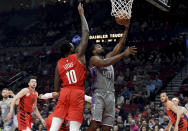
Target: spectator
(127, 95)
(133, 126)
(157, 82)
(150, 87)
(40, 127)
(162, 117)
(115, 128)
(143, 128)
(120, 99)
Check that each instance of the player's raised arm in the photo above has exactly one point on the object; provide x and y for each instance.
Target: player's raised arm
(85, 33)
(57, 81)
(171, 106)
(99, 62)
(20, 94)
(117, 49)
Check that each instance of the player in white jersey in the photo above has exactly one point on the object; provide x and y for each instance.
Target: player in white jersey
(103, 98)
(181, 109)
(5, 108)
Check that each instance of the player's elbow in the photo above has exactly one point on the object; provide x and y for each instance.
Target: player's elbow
(107, 63)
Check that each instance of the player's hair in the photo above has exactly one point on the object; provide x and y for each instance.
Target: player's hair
(164, 93)
(65, 48)
(92, 48)
(32, 77)
(5, 89)
(175, 98)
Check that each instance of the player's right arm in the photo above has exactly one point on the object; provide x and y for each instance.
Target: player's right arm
(20, 94)
(56, 94)
(85, 34)
(117, 49)
(99, 62)
(49, 95)
(57, 81)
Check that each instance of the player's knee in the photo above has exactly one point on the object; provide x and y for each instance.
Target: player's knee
(56, 123)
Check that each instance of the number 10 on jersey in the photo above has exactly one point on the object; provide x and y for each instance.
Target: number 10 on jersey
(71, 76)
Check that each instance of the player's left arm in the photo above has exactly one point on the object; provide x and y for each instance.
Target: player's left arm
(49, 95)
(172, 107)
(37, 113)
(117, 49)
(57, 81)
(56, 94)
(185, 112)
(85, 33)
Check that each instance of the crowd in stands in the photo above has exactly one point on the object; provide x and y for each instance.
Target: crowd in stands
(30, 49)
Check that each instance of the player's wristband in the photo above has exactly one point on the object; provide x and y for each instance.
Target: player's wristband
(47, 96)
(88, 98)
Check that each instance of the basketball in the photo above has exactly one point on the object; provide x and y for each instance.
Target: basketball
(121, 18)
(123, 21)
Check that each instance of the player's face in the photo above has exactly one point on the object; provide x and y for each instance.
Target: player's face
(163, 97)
(72, 49)
(5, 93)
(32, 83)
(99, 49)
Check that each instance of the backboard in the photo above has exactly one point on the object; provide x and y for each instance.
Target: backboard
(161, 4)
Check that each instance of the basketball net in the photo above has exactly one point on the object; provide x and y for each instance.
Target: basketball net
(122, 8)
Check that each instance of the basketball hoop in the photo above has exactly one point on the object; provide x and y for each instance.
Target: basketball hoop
(122, 8)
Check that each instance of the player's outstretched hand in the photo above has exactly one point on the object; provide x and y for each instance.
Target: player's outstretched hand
(10, 93)
(40, 96)
(9, 116)
(80, 9)
(130, 51)
(43, 122)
